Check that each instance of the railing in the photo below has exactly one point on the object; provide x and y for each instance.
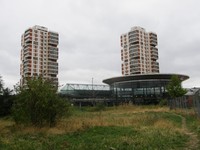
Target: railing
(155, 53)
(53, 71)
(55, 42)
(155, 63)
(154, 50)
(53, 56)
(153, 42)
(153, 35)
(154, 57)
(186, 104)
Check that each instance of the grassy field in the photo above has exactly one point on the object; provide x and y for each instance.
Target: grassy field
(115, 128)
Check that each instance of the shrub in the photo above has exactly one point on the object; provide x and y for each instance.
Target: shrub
(100, 106)
(6, 99)
(38, 104)
(163, 102)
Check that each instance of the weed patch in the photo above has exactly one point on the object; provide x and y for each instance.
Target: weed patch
(123, 127)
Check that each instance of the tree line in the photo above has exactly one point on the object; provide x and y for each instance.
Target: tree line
(39, 104)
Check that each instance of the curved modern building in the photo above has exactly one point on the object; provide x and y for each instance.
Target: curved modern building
(143, 88)
(141, 81)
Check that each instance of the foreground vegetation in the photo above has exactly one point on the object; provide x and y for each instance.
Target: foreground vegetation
(122, 127)
(38, 104)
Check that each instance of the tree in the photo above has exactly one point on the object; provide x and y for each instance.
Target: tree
(38, 104)
(1, 85)
(174, 87)
(6, 99)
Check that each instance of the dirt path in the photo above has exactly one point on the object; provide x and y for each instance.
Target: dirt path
(192, 144)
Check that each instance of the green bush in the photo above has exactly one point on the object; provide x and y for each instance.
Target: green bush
(163, 102)
(100, 106)
(6, 99)
(38, 104)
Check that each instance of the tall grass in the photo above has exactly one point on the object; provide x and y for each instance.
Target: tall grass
(122, 127)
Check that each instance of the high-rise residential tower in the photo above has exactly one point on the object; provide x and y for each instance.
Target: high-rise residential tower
(39, 54)
(139, 53)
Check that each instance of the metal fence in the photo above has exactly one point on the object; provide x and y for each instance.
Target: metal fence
(187, 103)
(196, 105)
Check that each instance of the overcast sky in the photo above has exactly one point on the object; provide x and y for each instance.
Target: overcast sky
(89, 35)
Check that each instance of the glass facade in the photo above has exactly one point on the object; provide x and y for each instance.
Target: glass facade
(149, 91)
(84, 91)
(141, 89)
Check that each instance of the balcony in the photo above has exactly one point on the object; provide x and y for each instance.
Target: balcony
(133, 46)
(154, 64)
(153, 39)
(52, 48)
(53, 56)
(27, 61)
(156, 70)
(134, 55)
(27, 70)
(134, 62)
(54, 81)
(27, 55)
(27, 50)
(132, 36)
(153, 42)
(135, 50)
(53, 38)
(154, 57)
(155, 67)
(53, 71)
(27, 74)
(27, 66)
(28, 36)
(135, 71)
(154, 53)
(134, 41)
(29, 31)
(153, 35)
(136, 35)
(133, 33)
(27, 45)
(53, 42)
(53, 34)
(53, 64)
(154, 50)
(28, 40)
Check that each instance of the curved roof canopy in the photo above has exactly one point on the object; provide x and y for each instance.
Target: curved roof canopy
(144, 77)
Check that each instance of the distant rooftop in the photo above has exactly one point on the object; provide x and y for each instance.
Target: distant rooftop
(142, 77)
(40, 28)
(88, 87)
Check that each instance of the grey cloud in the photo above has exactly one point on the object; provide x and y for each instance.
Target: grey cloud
(90, 30)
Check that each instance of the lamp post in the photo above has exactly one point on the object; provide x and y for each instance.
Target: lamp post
(92, 89)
